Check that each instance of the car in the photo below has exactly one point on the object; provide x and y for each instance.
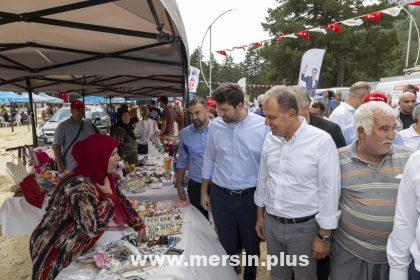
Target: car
(96, 114)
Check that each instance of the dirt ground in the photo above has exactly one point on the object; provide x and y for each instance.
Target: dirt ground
(15, 261)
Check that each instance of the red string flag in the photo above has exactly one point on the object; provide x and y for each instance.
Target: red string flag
(222, 53)
(375, 17)
(257, 44)
(415, 3)
(335, 27)
(304, 34)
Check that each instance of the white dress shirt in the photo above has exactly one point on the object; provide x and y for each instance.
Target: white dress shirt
(300, 177)
(404, 240)
(343, 115)
(410, 137)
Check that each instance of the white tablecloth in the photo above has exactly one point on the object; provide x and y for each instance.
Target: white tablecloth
(198, 238)
(18, 217)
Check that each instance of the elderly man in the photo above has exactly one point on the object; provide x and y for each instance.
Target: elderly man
(304, 101)
(406, 102)
(411, 136)
(68, 133)
(370, 170)
(192, 141)
(231, 160)
(344, 113)
(261, 100)
(403, 248)
(335, 102)
(298, 187)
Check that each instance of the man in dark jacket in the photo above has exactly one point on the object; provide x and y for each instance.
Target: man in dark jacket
(304, 102)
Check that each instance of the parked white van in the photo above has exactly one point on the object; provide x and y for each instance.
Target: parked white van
(394, 86)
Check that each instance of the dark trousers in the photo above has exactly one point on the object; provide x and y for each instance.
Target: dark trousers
(194, 194)
(143, 149)
(413, 274)
(235, 219)
(323, 269)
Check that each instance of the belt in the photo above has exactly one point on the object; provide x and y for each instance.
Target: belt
(292, 220)
(235, 193)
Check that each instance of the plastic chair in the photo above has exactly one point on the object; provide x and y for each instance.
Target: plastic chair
(3, 123)
(16, 172)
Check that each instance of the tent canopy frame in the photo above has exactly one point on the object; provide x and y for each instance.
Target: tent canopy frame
(33, 79)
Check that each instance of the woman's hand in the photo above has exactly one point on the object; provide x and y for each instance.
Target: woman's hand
(106, 188)
(142, 236)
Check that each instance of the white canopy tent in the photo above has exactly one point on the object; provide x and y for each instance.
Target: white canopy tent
(125, 48)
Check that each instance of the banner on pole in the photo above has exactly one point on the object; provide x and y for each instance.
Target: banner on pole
(242, 84)
(193, 79)
(310, 69)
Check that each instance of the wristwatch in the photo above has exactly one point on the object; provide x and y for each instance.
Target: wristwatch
(325, 238)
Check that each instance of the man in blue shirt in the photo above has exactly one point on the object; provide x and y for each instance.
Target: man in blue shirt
(191, 152)
(231, 162)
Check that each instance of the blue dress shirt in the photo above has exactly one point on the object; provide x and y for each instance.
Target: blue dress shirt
(233, 152)
(192, 143)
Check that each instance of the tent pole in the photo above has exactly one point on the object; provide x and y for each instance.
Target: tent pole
(31, 105)
(83, 100)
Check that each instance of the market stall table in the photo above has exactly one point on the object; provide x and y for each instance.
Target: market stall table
(198, 238)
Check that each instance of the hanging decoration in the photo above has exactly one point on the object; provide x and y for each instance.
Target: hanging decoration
(335, 27)
(304, 34)
(415, 3)
(374, 17)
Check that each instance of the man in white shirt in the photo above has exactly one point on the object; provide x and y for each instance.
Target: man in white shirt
(344, 113)
(298, 187)
(403, 248)
(411, 135)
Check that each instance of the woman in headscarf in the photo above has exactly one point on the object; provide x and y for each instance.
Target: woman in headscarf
(123, 132)
(80, 209)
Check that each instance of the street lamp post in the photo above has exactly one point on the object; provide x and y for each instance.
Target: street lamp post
(201, 47)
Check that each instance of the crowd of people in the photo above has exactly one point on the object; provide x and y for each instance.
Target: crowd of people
(13, 114)
(285, 174)
(288, 174)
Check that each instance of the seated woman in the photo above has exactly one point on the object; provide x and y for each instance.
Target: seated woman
(80, 209)
(124, 133)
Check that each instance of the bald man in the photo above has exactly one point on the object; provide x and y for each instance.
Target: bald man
(406, 102)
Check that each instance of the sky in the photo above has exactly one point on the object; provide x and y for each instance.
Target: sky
(241, 26)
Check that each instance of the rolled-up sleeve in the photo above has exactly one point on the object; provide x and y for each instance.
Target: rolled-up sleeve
(329, 177)
(259, 196)
(209, 155)
(182, 161)
(405, 223)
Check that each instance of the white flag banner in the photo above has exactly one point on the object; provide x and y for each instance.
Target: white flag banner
(242, 84)
(352, 22)
(394, 11)
(307, 26)
(318, 29)
(290, 36)
(193, 79)
(310, 69)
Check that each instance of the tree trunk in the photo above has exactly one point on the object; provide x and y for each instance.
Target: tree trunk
(340, 73)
